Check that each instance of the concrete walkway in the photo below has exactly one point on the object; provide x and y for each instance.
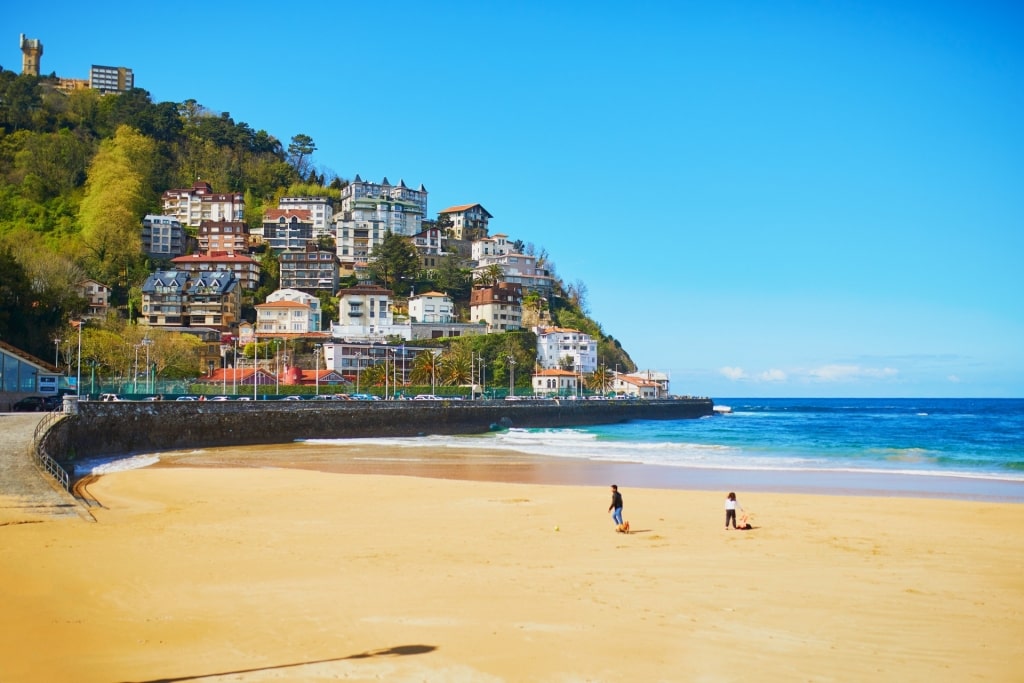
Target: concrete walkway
(25, 491)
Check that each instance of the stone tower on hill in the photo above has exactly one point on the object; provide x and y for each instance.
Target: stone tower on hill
(31, 53)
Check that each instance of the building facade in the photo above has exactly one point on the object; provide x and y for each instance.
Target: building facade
(98, 296)
(311, 316)
(362, 227)
(466, 221)
(361, 189)
(321, 212)
(486, 247)
(520, 269)
(364, 313)
(214, 300)
(111, 79)
(559, 347)
(223, 236)
(499, 307)
(163, 237)
(285, 229)
(308, 269)
(31, 55)
(556, 382)
(246, 270)
(200, 203)
(431, 307)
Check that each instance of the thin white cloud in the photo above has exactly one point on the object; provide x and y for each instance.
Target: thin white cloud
(848, 373)
(773, 375)
(733, 373)
(954, 379)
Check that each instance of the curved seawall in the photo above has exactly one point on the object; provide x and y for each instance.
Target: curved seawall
(104, 429)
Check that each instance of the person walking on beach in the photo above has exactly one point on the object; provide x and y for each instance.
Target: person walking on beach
(616, 507)
(730, 509)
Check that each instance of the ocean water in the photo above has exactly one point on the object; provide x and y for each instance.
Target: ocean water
(971, 448)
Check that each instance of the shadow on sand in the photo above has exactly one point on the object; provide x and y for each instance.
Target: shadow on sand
(399, 650)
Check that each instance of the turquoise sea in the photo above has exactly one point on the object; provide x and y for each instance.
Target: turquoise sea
(952, 448)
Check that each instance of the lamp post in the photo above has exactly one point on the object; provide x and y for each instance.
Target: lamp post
(224, 348)
(147, 342)
(255, 357)
(511, 376)
(78, 381)
(135, 372)
(277, 364)
(483, 377)
(56, 352)
(316, 369)
(359, 362)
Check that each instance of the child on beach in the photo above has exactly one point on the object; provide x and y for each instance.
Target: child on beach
(730, 510)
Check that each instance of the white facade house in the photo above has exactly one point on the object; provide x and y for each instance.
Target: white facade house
(499, 307)
(289, 311)
(361, 189)
(201, 203)
(497, 245)
(431, 307)
(559, 347)
(364, 313)
(555, 381)
(320, 209)
(360, 228)
(520, 269)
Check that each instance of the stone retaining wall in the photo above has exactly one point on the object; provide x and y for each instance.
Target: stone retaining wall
(103, 429)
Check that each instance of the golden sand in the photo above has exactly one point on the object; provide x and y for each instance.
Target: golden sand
(236, 574)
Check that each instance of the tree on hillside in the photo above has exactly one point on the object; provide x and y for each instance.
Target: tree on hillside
(299, 151)
(392, 260)
(118, 194)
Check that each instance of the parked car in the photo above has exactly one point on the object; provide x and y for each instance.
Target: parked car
(109, 397)
(292, 398)
(426, 397)
(186, 398)
(219, 398)
(37, 404)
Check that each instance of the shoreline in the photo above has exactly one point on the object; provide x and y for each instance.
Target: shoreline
(499, 465)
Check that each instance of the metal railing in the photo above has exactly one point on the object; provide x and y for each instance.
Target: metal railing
(43, 459)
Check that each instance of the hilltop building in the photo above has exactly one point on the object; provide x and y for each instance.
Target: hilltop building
(288, 311)
(466, 221)
(111, 79)
(364, 313)
(31, 55)
(246, 270)
(224, 236)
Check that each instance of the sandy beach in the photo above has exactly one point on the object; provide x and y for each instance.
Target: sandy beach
(280, 574)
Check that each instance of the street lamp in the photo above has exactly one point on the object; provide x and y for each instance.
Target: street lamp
(316, 371)
(79, 379)
(511, 376)
(56, 352)
(135, 374)
(255, 357)
(147, 342)
(359, 362)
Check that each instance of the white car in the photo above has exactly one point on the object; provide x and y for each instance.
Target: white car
(426, 397)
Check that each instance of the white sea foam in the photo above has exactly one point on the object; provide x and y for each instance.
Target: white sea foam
(114, 464)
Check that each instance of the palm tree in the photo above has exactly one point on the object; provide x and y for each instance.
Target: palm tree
(374, 376)
(491, 275)
(425, 368)
(598, 380)
(456, 367)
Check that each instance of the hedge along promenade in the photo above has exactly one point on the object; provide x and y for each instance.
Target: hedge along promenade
(129, 427)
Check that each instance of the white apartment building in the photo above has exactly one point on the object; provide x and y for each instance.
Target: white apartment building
(320, 209)
(431, 307)
(361, 189)
(297, 296)
(468, 221)
(287, 316)
(200, 203)
(361, 227)
(559, 346)
(520, 269)
(497, 245)
(365, 313)
(98, 296)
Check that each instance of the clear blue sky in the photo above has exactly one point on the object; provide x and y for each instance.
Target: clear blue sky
(763, 198)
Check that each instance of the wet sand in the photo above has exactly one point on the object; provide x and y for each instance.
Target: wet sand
(486, 568)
